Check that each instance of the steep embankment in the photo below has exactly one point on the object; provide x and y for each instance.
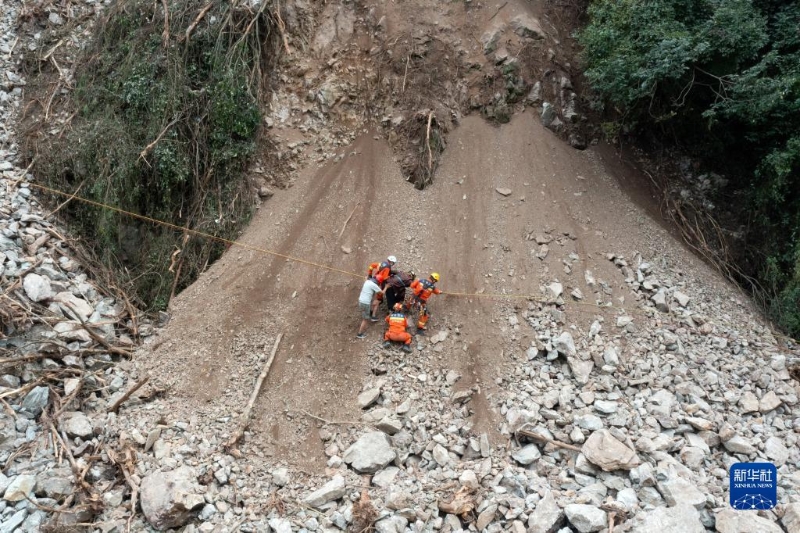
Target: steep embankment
(592, 375)
(564, 215)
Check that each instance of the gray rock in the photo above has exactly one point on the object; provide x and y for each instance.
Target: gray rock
(565, 344)
(77, 424)
(368, 397)
(385, 477)
(20, 488)
(606, 406)
(34, 522)
(581, 370)
(769, 402)
(168, 498)
(748, 402)
(548, 114)
(547, 517)
(660, 300)
(10, 381)
(36, 400)
(389, 425)
(440, 455)
(469, 479)
(37, 288)
(503, 191)
(527, 454)
(280, 476)
(391, 524)
(11, 525)
(73, 306)
(486, 516)
(490, 38)
(678, 491)
(397, 498)
(739, 444)
(280, 525)
(603, 450)
(681, 518)
(55, 484)
(732, 521)
(776, 451)
(610, 356)
(586, 518)
(370, 453)
(330, 491)
(588, 422)
(791, 517)
(627, 497)
(526, 26)
(681, 298)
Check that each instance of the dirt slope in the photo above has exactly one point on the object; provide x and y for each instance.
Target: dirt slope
(476, 238)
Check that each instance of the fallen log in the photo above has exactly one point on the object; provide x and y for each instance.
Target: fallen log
(124, 397)
(248, 410)
(540, 438)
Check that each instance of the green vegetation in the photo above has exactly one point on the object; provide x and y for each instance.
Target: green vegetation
(165, 122)
(721, 79)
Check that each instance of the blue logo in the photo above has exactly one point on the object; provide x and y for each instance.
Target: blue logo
(754, 486)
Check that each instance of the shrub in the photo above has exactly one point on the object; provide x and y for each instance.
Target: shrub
(164, 127)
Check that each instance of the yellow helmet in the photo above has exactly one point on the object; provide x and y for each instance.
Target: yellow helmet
(435, 276)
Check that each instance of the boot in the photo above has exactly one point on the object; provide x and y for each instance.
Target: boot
(387, 344)
(407, 348)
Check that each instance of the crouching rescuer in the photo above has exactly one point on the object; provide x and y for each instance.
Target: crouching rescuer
(423, 289)
(398, 324)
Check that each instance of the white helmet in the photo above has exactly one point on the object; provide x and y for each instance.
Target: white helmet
(392, 259)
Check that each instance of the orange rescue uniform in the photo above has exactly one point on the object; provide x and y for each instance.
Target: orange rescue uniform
(423, 289)
(397, 328)
(379, 271)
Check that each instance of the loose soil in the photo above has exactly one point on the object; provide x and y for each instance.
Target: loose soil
(460, 227)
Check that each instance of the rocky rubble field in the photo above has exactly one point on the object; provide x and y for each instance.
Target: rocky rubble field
(628, 424)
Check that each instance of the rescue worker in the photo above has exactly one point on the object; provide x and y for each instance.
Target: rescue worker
(368, 305)
(423, 289)
(398, 324)
(395, 288)
(382, 271)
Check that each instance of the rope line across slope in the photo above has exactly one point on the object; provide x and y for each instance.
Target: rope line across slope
(285, 256)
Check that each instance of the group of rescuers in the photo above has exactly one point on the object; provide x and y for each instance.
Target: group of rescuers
(385, 283)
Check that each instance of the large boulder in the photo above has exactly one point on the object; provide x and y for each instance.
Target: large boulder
(330, 491)
(678, 491)
(586, 518)
(526, 26)
(168, 498)
(603, 450)
(37, 287)
(682, 517)
(791, 517)
(370, 453)
(73, 306)
(732, 521)
(20, 488)
(77, 424)
(547, 517)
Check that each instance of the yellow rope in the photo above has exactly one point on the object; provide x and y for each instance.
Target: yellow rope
(283, 256)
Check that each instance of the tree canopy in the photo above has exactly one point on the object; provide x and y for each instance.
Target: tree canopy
(723, 78)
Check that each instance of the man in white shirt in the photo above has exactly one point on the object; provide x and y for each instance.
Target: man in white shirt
(368, 305)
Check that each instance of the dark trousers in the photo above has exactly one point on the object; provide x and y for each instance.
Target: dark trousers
(395, 295)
